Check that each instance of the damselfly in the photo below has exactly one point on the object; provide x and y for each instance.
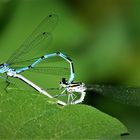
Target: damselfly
(31, 53)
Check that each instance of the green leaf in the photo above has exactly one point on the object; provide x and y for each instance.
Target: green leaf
(30, 116)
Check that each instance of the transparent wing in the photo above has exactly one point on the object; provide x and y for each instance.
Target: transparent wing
(50, 70)
(126, 95)
(35, 45)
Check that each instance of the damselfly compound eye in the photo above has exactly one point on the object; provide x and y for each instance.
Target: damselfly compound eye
(1, 65)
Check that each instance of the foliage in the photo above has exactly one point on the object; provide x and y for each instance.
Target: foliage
(25, 115)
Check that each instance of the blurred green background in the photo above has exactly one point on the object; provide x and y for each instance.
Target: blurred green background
(101, 36)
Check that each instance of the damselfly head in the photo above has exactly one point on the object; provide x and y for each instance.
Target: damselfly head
(1, 65)
(3, 68)
(64, 81)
